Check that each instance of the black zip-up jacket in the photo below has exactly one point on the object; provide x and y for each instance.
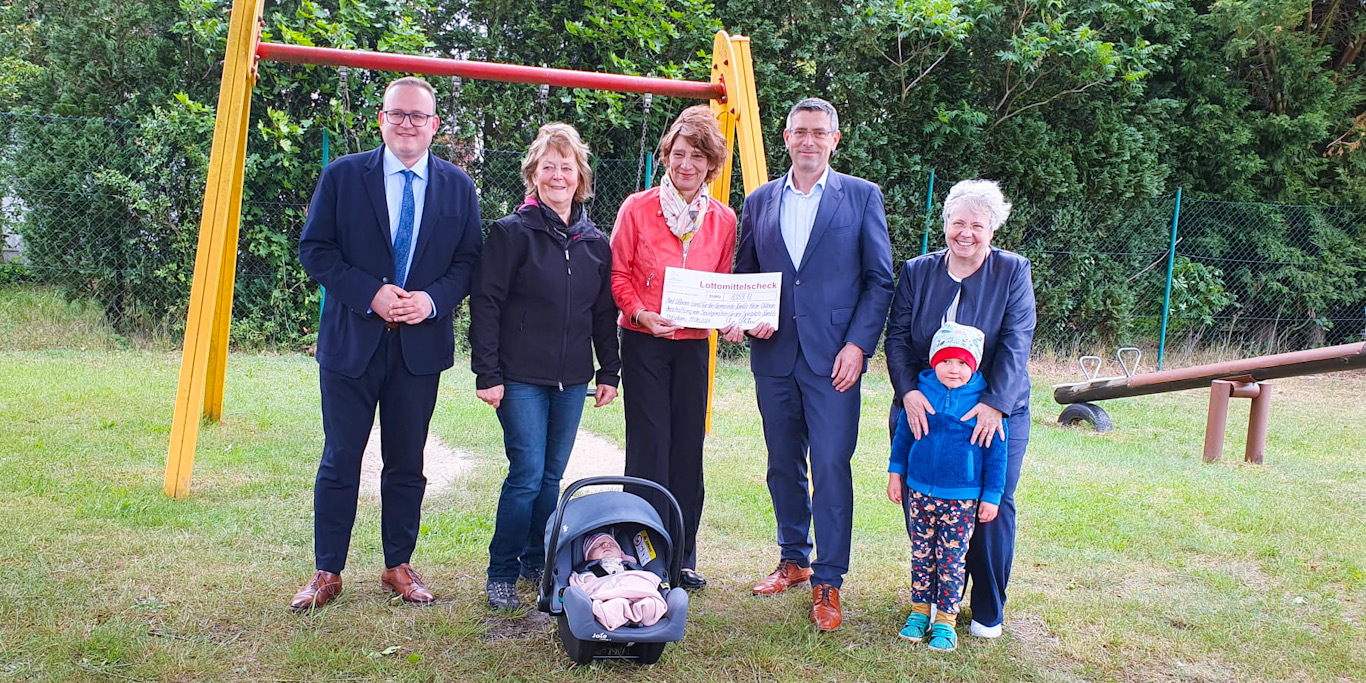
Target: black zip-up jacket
(542, 304)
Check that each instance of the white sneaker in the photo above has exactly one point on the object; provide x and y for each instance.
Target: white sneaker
(981, 631)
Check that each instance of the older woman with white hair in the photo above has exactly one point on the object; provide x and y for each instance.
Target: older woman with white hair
(973, 283)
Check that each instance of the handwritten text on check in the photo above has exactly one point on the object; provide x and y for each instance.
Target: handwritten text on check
(705, 300)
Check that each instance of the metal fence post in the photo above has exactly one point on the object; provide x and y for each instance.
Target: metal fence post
(1171, 262)
(929, 216)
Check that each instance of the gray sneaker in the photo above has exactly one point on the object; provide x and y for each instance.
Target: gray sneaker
(532, 576)
(502, 595)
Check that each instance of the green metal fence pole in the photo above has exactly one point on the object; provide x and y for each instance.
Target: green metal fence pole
(326, 155)
(1171, 263)
(929, 216)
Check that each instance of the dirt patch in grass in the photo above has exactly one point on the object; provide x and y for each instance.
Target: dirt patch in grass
(1245, 572)
(1032, 641)
(441, 463)
(594, 456)
(1190, 672)
(531, 624)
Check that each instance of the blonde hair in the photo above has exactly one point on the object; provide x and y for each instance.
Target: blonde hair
(697, 124)
(562, 138)
(413, 81)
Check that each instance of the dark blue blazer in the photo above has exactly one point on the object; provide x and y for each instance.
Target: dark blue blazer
(346, 247)
(842, 289)
(998, 299)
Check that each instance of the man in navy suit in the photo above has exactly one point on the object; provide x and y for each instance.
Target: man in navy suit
(826, 232)
(393, 234)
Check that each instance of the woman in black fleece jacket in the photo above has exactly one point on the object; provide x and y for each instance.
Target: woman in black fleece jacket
(541, 309)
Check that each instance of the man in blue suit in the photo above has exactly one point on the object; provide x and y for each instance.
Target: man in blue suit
(393, 234)
(826, 232)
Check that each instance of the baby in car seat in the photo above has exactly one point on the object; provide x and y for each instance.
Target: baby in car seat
(622, 592)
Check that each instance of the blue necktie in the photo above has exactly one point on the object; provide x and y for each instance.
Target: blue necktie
(403, 240)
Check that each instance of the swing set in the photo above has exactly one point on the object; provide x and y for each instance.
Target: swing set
(203, 366)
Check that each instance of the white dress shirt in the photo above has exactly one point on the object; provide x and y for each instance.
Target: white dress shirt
(797, 215)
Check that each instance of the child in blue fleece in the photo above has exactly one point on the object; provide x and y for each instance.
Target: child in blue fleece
(945, 483)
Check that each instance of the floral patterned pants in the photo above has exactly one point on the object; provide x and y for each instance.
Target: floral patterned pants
(939, 531)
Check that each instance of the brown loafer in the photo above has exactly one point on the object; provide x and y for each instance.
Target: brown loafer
(787, 575)
(825, 607)
(320, 590)
(407, 584)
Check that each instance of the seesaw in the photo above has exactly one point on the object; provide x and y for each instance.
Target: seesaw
(1246, 378)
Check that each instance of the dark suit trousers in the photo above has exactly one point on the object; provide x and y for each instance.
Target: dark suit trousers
(405, 405)
(992, 548)
(664, 387)
(803, 414)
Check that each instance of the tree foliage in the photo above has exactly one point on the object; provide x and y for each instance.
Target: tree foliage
(1089, 112)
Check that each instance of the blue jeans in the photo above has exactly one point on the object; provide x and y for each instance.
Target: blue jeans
(539, 424)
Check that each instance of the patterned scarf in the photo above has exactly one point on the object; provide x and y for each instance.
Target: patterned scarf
(684, 218)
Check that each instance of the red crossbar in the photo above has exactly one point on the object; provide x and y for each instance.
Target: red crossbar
(489, 71)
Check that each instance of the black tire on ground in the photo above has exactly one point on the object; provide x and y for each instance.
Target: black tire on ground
(581, 651)
(647, 653)
(1091, 414)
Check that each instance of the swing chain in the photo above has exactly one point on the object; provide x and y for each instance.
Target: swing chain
(451, 127)
(545, 95)
(346, 110)
(644, 128)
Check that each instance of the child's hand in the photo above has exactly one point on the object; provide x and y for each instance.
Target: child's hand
(894, 488)
(987, 511)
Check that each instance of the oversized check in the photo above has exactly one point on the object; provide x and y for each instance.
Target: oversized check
(705, 300)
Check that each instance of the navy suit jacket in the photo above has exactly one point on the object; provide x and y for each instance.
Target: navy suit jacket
(346, 246)
(842, 289)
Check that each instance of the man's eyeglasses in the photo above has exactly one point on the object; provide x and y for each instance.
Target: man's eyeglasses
(395, 117)
(802, 134)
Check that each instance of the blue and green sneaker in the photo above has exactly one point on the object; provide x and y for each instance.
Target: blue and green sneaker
(916, 625)
(943, 638)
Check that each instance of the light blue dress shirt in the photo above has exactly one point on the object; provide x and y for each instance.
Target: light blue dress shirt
(797, 215)
(393, 197)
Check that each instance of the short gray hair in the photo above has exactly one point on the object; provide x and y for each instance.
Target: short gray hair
(815, 104)
(978, 195)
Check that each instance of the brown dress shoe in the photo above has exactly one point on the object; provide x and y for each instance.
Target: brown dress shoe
(404, 581)
(787, 575)
(825, 607)
(320, 590)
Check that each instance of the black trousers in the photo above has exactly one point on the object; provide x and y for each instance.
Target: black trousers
(405, 405)
(664, 387)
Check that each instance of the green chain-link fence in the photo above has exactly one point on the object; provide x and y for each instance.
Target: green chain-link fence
(109, 210)
(1260, 278)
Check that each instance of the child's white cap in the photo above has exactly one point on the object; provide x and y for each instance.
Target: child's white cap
(963, 342)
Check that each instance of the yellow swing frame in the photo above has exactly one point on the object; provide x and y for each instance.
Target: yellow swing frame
(203, 366)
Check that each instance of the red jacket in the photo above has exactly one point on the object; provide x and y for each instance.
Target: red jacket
(643, 246)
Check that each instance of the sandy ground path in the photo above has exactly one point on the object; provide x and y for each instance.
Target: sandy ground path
(592, 456)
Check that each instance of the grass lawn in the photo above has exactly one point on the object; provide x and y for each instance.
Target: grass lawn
(1136, 561)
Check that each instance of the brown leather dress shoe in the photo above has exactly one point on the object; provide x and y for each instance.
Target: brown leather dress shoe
(825, 607)
(404, 581)
(318, 592)
(787, 575)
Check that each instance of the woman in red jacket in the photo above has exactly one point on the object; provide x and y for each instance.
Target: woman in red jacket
(664, 366)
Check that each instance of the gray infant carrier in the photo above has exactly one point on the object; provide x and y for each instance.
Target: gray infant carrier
(636, 527)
